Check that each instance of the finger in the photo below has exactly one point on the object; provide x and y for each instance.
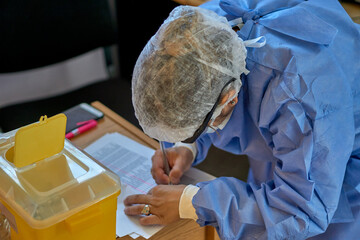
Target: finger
(157, 158)
(153, 158)
(137, 199)
(150, 220)
(157, 169)
(175, 174)
(134, 209)
(159, 176)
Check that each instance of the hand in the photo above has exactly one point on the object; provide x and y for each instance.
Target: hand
(163, 201)
(180, 160)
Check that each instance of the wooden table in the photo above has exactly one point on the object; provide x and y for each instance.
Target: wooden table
(353, 9)
(112, 122)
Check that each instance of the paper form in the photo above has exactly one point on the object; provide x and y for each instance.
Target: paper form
(134, 235)
(132, 162)
(132, 167)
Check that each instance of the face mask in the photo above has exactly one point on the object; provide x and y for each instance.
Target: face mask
(212, 129)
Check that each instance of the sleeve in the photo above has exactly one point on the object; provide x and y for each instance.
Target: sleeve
(203, 144)
(191, 146)
(186, 209)
(311, 140)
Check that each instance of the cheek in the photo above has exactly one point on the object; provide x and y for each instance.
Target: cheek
(227, 110)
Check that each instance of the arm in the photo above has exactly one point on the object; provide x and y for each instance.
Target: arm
(203, 143)
(310, 152)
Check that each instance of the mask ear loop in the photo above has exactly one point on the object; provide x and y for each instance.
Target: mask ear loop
(215, 130)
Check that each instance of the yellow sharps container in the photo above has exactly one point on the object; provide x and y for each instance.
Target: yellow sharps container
(49, 189)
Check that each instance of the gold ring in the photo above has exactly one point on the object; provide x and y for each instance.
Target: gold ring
(145, 210)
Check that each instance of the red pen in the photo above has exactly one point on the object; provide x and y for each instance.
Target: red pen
(87, 126)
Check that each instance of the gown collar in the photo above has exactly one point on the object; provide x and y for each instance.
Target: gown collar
(288, 17)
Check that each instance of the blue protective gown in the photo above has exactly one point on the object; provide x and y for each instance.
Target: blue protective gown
(298, 121)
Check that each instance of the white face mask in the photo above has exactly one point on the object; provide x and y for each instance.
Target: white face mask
(212, 129)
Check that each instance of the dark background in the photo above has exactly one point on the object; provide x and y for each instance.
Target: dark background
(136, 23)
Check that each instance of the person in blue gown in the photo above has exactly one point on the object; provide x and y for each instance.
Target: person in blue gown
(285, 91)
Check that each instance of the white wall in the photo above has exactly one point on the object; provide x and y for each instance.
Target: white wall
(54, 79)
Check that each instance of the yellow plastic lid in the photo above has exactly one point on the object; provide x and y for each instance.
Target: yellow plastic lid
(39, 140)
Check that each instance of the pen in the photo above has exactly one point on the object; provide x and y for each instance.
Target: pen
(87, 126)
(165, 160)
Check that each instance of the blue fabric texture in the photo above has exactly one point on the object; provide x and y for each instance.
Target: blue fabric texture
(298, 121)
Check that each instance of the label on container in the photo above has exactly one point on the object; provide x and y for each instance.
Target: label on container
(9, 216)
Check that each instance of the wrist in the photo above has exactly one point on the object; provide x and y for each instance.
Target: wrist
(186, 209)
(192, 147)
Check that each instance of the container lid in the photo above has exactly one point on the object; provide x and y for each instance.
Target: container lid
(49, 190)
(39, 140)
